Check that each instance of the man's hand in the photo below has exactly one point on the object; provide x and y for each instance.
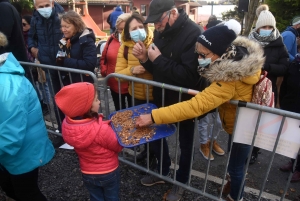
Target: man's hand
(140, 52)
(143, 120)
(153, 52)
(34, 52)
(137, 70)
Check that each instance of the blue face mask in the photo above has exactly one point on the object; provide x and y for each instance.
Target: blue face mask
(45, 12)
(204, 63)
(265, 32)
(138, 35)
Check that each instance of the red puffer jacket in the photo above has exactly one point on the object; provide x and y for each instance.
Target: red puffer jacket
(108, 64)
(94, 142)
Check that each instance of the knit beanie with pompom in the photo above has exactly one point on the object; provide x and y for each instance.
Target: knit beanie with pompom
(265, 17)
(218, 38)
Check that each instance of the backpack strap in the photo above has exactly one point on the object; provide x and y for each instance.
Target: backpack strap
(125, 53)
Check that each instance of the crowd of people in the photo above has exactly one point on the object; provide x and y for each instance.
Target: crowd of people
(214, 60)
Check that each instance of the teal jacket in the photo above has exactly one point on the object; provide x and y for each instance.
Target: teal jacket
(24, 142)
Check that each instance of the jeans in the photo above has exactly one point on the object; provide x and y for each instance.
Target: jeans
(116, 99)
(103, 187)
(21, 187)
(207, 127)
(186, 132)
(237, 162)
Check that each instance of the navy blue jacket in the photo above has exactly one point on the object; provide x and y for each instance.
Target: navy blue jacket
(83, 54)
(45, 35)
(114, 16)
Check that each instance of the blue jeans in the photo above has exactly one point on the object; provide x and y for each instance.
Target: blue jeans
(237, 162)
(103, 187)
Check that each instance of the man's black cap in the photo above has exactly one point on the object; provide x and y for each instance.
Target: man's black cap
(157, 8)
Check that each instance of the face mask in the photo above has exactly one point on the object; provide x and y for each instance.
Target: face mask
(265, 32)
(138, 35)
(204, 63)
(45, 12)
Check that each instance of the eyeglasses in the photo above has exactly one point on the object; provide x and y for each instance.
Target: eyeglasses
(24, 24)
(201, 54)
(159, 21)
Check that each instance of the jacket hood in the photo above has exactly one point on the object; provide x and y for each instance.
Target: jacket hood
(75, 134)
(291, 29)
(118, 8)
(242, 70)
(10, 65)
(131, 43)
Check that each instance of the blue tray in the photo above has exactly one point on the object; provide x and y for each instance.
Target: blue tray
(161, 131)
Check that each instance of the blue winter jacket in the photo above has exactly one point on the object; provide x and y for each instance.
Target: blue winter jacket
(114, 16)
(290, 40)
(45, 35)
(24, 142)
(83, 55)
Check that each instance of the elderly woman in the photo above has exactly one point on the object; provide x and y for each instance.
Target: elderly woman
(277, 58)
(127, 64)
(233, 65)
(108, 64)
(79, 45)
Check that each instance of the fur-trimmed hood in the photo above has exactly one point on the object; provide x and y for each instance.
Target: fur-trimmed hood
(229, 70)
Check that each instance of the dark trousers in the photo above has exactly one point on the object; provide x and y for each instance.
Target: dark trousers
(116, 99)
(186, 132)
(23, 187)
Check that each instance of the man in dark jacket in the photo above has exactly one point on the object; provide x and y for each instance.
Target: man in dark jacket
(114, 16)
(171, 60)
(109, 22)
(43, 39)
(11, 26)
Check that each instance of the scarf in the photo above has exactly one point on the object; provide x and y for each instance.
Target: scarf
(229, 54)
(264, 40)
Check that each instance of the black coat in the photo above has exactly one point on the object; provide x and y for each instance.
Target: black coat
(290, 89)
(11, 26)
(83, 54)
(277, 61)
(177, 65)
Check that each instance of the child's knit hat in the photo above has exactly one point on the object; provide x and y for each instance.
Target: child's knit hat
(75, 99)
(265, 17)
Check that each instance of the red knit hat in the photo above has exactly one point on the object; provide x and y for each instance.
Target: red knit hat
(75, 99)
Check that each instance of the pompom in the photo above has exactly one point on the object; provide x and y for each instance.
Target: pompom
(261, 8)
(234, 26)
(3, 40)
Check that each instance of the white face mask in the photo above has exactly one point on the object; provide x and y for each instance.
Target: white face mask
(138, 35)
(45, 12)
(120, 37)
(204, 63)
(265, 32)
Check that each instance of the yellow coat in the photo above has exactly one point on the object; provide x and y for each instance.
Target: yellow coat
(230, 80)
(123, 67)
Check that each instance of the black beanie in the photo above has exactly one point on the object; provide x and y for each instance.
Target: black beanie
(218, 38)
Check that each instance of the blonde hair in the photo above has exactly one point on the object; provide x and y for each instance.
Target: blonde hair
(73, 18)
(122, 18)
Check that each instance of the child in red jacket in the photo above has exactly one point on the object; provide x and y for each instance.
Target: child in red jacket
(92, 138)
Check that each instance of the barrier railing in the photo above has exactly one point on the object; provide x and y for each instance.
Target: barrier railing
(261, 110)
(239, 104)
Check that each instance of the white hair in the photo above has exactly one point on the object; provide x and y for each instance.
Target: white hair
(49, 0)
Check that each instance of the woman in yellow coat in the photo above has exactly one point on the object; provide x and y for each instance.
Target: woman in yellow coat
(127, 64)
(233, 65)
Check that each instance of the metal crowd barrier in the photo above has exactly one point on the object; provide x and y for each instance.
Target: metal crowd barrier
(52, 121)
(52, 126)
(180, 90)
